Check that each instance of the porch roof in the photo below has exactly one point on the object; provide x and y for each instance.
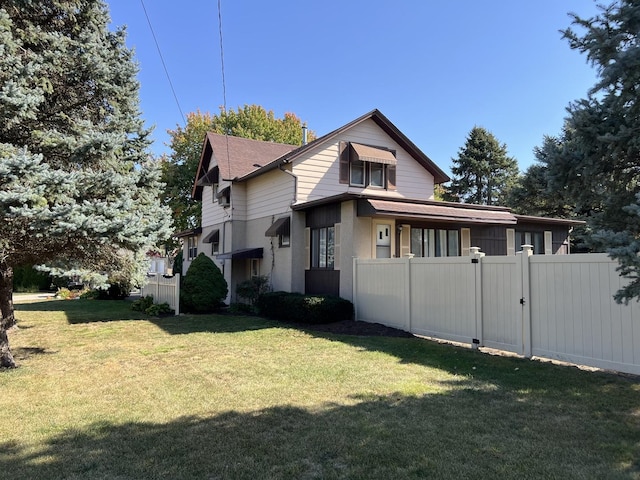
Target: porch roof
(241, 253)
(435, 212)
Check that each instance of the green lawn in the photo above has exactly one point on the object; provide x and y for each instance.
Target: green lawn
(104, 392)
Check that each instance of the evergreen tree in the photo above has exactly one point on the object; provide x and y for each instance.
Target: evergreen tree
(483, 173)
(179, 168)
(532, 193)
(77, 190)
(598, 166)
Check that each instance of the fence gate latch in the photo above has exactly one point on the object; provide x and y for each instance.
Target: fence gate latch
(522, 302)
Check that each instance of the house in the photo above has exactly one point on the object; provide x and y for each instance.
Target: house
(300, 214)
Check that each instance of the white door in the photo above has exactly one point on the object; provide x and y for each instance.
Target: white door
(383, 241)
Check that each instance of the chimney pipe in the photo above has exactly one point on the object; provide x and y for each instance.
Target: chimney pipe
(304, 134)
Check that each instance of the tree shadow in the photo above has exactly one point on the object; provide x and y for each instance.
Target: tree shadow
(456, 435)
(24, 353)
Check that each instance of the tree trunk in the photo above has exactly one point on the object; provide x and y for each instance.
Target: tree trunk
(6, 358)
(8, 318)
(6, 296)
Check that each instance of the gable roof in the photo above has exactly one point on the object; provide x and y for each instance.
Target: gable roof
(236, 157)
(385, 124)
(241, 159)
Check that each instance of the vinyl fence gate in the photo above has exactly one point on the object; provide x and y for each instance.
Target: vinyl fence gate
(552, 306)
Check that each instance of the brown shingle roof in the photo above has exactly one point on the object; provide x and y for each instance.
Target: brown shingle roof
(236, 157)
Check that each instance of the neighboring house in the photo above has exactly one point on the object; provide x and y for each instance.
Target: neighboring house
(299, 215)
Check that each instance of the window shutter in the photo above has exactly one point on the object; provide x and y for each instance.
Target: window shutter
(391, 177)
(548, 242)
(465, 242)
(307, 248)
(405, 240)
(344, 162)
(511, 242)
(336, 247)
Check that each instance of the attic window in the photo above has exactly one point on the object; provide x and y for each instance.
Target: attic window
(367, 166)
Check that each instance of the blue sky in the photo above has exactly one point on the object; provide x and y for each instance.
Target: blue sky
(436, 69)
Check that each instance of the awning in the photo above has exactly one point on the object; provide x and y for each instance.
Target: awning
(279, 227)
(223, 192)
(242, 253)
(431, 212)
(364, 153)
(188, 233)
(212, 237)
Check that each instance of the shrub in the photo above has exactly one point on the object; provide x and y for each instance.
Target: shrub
(142, 303)
(146, 305)
(250, 290)
(177, 264)
(28, 279)
(203, 287)
(157, 309)
(116, 291)
(313, 309)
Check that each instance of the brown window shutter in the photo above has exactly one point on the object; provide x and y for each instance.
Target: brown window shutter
(344, 162)
(391, 177)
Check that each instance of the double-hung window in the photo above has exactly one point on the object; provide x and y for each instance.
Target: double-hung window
(323, 247)
(192, 247)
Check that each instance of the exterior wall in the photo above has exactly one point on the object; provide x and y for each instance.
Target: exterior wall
(269, 194)
(318, 174)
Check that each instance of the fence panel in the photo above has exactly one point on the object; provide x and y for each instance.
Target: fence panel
(443, 298)
(574, 316)
(381, 292)
(501, 308)
(164, 290)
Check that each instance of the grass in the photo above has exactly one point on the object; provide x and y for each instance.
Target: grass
(105, 392)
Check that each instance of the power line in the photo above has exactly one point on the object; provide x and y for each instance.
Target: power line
(224, 88)
(175, 97)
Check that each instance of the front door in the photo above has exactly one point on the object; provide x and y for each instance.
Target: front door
(383, 241)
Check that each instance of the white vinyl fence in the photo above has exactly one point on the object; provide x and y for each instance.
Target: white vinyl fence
(553, 306)
(163, 289)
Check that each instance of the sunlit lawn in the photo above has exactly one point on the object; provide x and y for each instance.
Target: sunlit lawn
(104, 392)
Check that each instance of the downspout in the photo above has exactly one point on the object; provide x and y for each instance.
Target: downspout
(295, 183)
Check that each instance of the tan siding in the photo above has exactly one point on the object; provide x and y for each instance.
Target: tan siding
(318, 173)
(269, 194)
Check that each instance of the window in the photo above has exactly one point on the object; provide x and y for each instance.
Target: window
(224, 196)
(214, 197)
(192, 247)
(430, 242)
(323, 247)
(284, 239)
(537, 239)
(215, 247)
(255, 267)
(367, 166)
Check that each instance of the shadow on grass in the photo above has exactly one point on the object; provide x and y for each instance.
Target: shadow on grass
(23, 353)
(456, 435)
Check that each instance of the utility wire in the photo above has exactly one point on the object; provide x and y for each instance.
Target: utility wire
(224, 88)
(175, 97)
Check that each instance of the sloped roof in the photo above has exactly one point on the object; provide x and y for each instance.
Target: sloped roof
(236, 157)
(242, 159)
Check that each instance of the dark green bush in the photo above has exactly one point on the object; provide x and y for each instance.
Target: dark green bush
(177, 264)
(250, 290)
(313, 309)
(158, 309)
(28, 279)
(116, 291)
(142, 303)
(203, 287)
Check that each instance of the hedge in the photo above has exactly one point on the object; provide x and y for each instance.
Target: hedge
(296, 307)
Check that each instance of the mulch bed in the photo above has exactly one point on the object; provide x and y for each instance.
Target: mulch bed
(351, 327)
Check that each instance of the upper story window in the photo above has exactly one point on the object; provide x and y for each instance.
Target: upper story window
(367, 166)
(192, 247)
